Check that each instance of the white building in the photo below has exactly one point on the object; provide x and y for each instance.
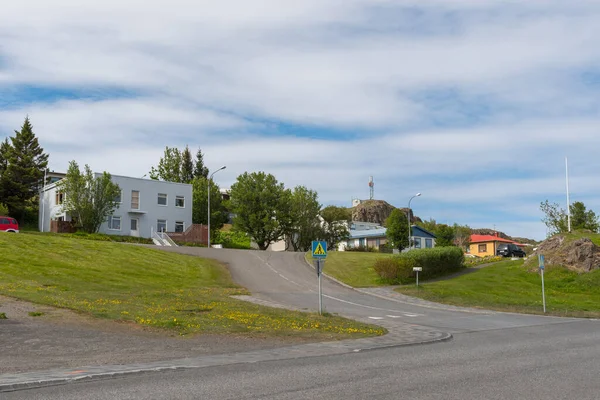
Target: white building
(145, 205)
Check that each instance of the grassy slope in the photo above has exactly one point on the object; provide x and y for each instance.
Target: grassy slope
(353, 268)
(509, 286)
(148, 287)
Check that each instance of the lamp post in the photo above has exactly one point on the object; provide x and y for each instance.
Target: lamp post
(409, 225)
(208, 187)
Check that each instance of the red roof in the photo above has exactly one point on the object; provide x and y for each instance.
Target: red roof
(488, 238)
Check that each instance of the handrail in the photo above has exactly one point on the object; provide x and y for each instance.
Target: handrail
(168, 239)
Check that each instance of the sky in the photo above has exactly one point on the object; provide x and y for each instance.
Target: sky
(475, 104)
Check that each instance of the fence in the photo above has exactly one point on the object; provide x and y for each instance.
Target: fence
(62, 227)
(195, 233)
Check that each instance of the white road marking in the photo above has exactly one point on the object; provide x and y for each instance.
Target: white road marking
(412, 315)
(376, 317)
(394, 316)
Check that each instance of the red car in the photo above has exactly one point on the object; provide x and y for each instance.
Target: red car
(8, 224)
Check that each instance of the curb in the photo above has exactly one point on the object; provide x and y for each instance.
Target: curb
(327, 276)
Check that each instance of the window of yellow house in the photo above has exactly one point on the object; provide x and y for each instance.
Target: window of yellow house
(483, 248)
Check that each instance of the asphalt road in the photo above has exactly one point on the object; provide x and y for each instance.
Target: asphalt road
(558, 361)
(492, 356)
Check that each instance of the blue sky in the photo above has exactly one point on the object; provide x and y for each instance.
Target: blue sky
(473, 103)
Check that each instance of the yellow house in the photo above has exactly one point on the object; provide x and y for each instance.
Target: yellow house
(485, 245)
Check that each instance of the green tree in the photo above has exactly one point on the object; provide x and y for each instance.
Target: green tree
(397, 229)
(4, 210)
(444, 235)
(23, 164)
(262, 207)
(581, 218)
(200, 170)
(430, 225)
(336, 221)
(305, 226)
(218, 213)
(169, 167)
(555, 217)
(187, 166)
(462, 236)
(88, 199)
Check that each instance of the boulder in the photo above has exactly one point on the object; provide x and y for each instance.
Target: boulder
(580, 255)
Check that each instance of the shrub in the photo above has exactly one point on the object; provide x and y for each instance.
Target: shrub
(3, 210)
(232, 240)
(362, 249)
(434, 262)
(474, 261)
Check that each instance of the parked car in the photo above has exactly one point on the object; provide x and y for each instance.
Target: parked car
(8, 224)
(509, 250)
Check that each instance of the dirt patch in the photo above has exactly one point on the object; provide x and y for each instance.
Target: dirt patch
(61, 338)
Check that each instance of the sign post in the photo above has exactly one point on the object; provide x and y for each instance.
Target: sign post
(319, 253)
(417, 269)
(542, 262)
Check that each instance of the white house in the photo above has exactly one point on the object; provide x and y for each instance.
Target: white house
(145, 205)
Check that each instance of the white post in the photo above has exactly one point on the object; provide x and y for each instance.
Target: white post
(44, 201)
(319, 269)
(543, 292)
(568, 201)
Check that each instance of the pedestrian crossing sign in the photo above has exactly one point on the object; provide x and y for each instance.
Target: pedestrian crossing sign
(319, 249)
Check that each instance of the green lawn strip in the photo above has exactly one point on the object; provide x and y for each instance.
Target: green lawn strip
(149, 287)
(352, 267)
(509, 286)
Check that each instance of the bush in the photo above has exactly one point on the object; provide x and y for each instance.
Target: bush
(474, 261)
(434, 262)
(232, 240)
(362, 249)
(3, 210)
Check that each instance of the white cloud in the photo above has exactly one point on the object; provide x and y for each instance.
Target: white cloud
(222, 75)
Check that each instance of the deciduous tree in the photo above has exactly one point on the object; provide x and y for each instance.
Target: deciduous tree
(218, 213)
(169, 167)
(336, 221)
(306, 226)
(397, 229)
(89, 199)
(444, 235)
(262, 207)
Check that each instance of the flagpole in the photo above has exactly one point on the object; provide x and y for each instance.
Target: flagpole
(568, 200)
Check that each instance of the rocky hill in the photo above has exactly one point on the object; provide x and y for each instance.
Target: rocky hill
(376, 211)
(579, 254)
(487, 231)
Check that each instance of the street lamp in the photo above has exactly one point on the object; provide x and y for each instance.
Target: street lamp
(208, 187)
(409, 225)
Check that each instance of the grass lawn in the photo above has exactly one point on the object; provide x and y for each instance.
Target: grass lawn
(509, 286)
(149, 287)
(352, 267)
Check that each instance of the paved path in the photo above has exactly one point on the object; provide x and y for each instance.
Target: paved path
(286, 280)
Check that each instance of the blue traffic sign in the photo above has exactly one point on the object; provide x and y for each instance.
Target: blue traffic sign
(319, 249)
(542, 261)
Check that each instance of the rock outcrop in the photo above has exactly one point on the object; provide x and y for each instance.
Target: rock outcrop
(580, 255)
(376, 211)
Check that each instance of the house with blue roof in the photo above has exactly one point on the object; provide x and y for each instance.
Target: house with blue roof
(372, 235)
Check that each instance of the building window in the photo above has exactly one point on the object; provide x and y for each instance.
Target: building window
(119, 197)
(161, 225)
(162, 199)
(483, 248)
(114, 223)
(179, 226)
(417, 243)
(135, 199)
(428, 243)
(180, 201)
(59, 198)
(134, 224)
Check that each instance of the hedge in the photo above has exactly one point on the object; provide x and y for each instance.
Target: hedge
(434, 262)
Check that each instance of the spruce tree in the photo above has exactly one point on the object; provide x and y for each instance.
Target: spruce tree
(200, 170)
(26, 162)
(187, 166)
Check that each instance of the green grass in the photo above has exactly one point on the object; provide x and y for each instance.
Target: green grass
(149, 287)
(352, 267)
(510, 286)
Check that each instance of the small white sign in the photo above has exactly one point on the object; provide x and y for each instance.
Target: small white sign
(418, 269)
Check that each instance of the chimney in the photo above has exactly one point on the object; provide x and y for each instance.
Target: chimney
(496, 234)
